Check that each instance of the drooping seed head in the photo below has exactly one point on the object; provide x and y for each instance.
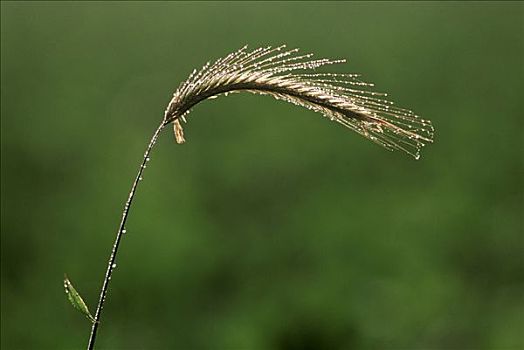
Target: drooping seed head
(289, 76)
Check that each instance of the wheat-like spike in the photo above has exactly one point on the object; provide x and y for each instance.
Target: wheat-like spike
(286, 75)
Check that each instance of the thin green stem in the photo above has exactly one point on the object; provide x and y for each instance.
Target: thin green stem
(121, 230)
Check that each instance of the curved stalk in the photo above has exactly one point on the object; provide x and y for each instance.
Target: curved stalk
(270, 71)
(121, 230)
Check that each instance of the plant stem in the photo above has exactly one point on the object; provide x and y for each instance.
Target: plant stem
(121, 230)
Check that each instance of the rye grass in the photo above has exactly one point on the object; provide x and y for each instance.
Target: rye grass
(289, 76)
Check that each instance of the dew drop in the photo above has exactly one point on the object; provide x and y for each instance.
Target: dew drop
(113, 266)
(124, 231)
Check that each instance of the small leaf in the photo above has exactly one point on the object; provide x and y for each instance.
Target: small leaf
(76, 300)
(179, 132)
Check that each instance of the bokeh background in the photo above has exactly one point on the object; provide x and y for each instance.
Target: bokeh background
(271, 228)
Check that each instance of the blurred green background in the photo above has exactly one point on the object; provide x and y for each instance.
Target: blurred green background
(271, 228)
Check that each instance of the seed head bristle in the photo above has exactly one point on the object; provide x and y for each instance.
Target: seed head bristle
(286, 75)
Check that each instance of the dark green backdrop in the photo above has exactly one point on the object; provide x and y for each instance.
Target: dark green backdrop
(271, 228)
